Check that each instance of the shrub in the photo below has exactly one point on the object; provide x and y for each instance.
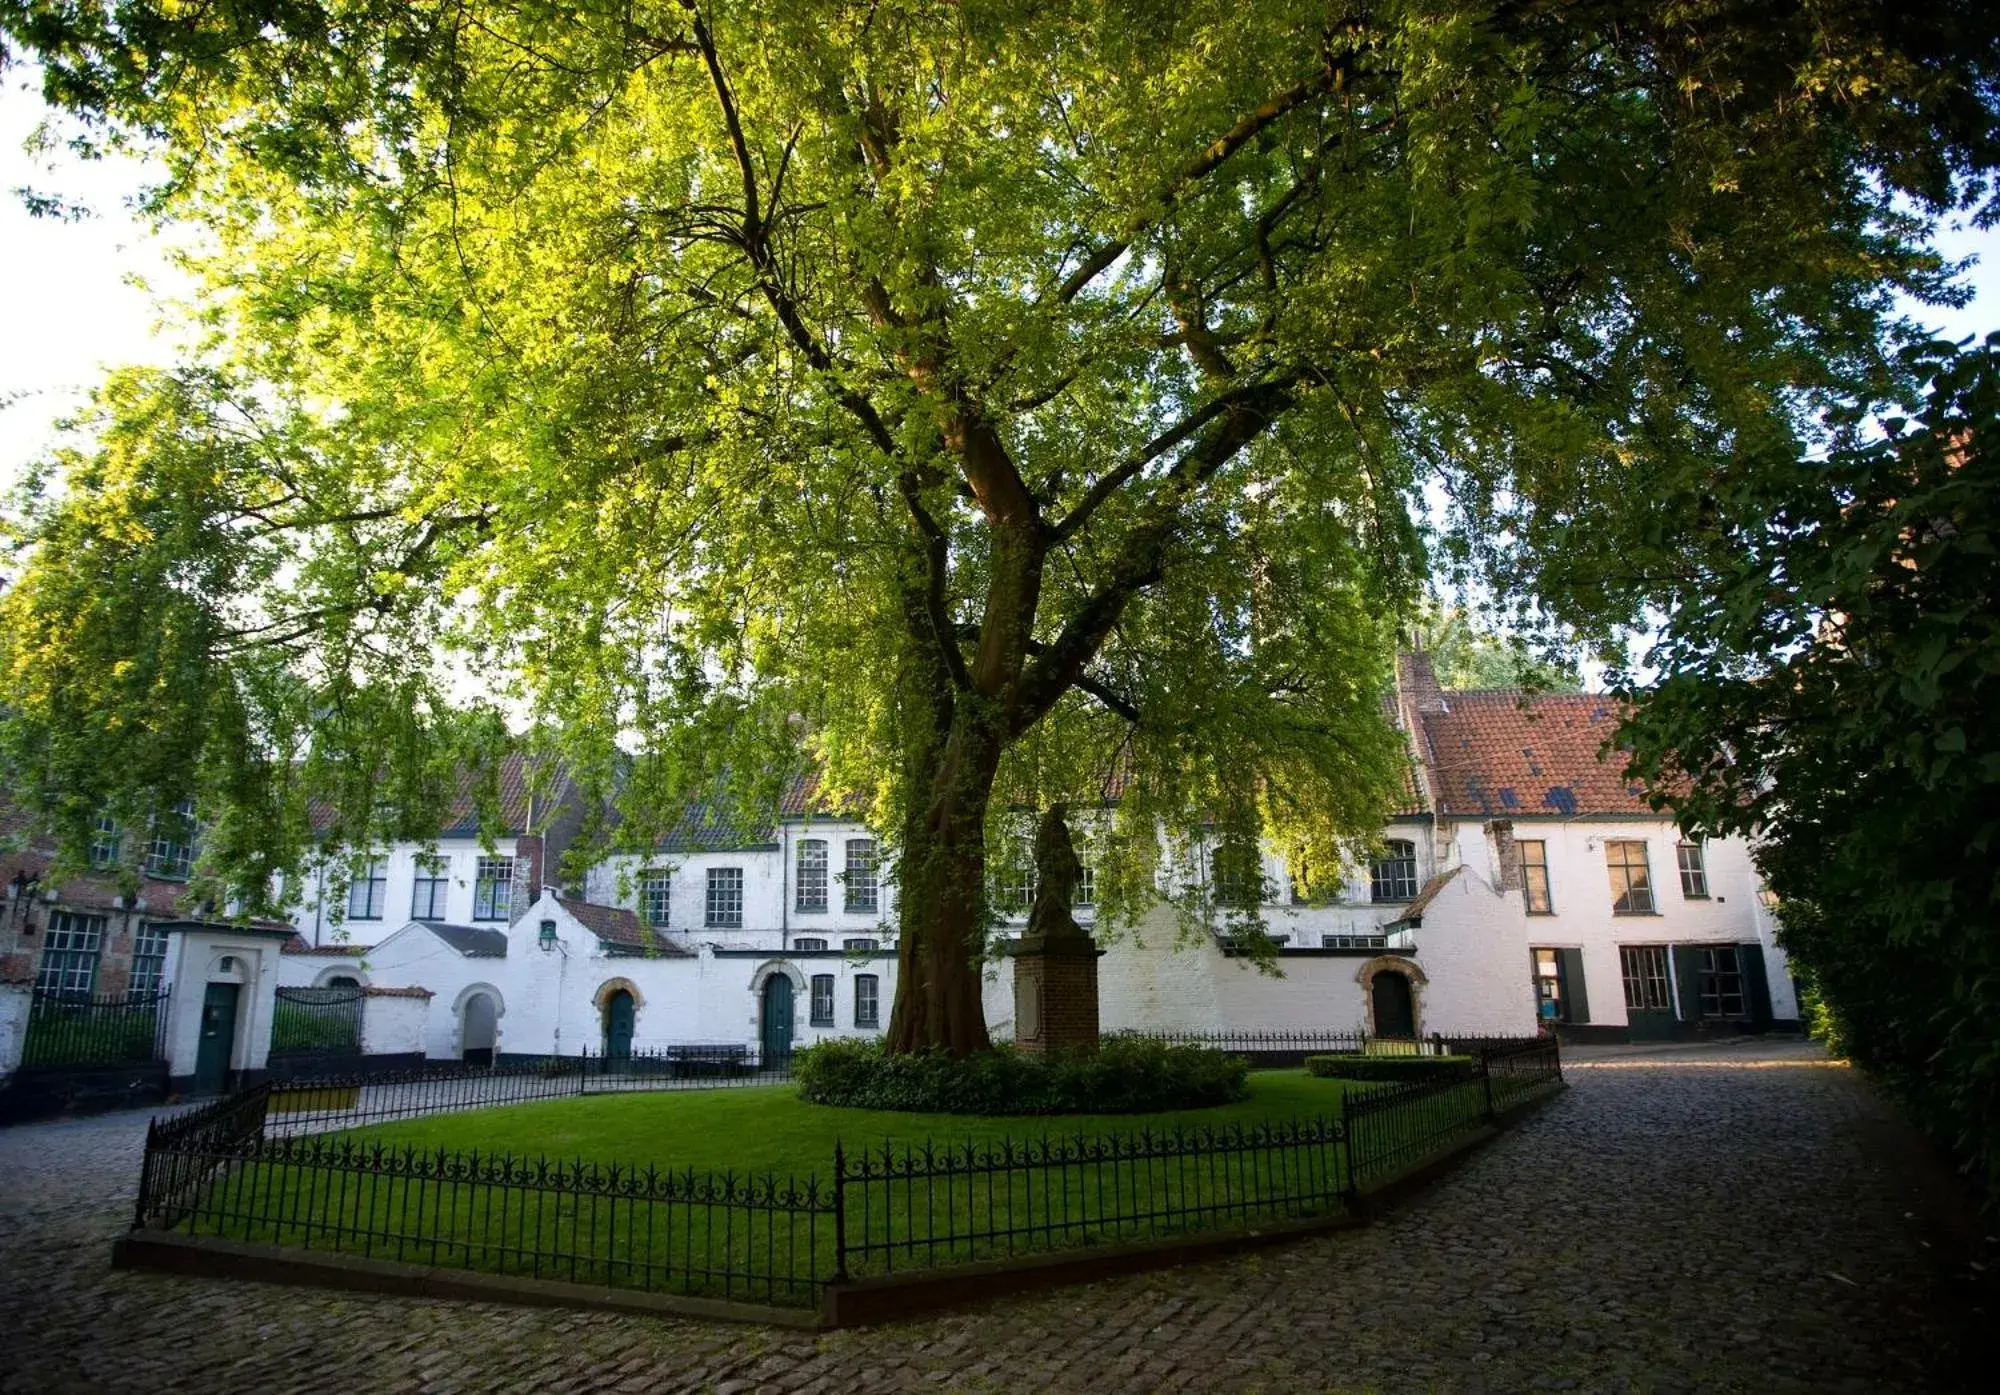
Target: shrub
(1125, 1075)
(1355, 1066)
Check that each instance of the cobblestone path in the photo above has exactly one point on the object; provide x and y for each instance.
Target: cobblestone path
(1726, 1219)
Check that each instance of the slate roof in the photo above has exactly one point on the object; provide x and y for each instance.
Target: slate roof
(621, 931)
(518, 787)
(473, 944)
(297, 945)
(1499, 753)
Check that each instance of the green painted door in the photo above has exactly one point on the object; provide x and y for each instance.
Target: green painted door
(218, 1038)
(1395, 1009)
(777, 1021)
(618, 1017)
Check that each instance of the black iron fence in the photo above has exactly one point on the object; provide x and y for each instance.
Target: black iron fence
(1290, 1048)
(343, 1100)
(252, 1168)
(318, 1022)
(71, 1029)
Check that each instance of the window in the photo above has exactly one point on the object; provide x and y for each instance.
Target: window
(170, 854)
(725, 898)
(69, 953)
(1086, 888)
(149, 958)
(867, 1000)
(860, 878)
(808, 943)
(1351, 941)
(493, 889)
(822, 1000)
(428, 892)
(1694, 876)
(1720, 979)
(369, 891)
(655, 897)
(1535, 878)
(859, 942)
(1645, 971)
(1631, 882)
(1393, 876)
(105, 842)
(1235, 876)
(1017, 891)
(812, 875)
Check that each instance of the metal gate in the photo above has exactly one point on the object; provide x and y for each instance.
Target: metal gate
(316, 1024)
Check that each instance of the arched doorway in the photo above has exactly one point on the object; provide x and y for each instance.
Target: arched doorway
(777, 1021)
(1394, 1006)
(343, 981)
(478, 1026)
(619, 1014)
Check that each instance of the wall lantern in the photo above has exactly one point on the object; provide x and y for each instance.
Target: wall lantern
(548, 936)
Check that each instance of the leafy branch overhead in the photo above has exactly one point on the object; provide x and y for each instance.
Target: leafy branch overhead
(1010, 404)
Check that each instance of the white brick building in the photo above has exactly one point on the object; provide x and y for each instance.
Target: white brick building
(1524, 883)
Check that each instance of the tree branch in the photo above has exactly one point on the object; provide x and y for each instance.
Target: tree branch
(1200, 167)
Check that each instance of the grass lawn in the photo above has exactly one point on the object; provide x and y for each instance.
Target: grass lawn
(704, 1192)
(767, 1129)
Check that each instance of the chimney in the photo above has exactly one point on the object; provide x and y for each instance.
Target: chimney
(1417, 687)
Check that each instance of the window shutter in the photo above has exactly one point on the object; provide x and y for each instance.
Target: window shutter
(1576, 1001)
(1756, 986)
(1687, 976)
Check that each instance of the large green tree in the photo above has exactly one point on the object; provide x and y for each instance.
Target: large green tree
(1005, 402)
(1830, 691)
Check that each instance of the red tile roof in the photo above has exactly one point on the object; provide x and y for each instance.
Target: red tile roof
(620, 928)
(376, 992)
(1500, 753)
(521, 781)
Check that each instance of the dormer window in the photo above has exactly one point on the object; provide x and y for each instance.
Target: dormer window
(1393, 875)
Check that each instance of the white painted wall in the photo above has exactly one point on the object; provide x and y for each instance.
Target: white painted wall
(321, 917)
(14, 1002)
(771, 915)
(394, 1025)
(196, 959)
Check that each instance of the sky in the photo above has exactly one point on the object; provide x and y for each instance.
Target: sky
(76, 297)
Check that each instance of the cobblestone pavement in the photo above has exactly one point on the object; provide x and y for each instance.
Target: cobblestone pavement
(1717, 1220)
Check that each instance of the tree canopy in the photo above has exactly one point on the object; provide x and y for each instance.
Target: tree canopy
(1831, 691)
(996, 403)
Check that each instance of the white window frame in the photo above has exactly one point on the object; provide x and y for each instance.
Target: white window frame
(867, 1000)
(368, 890)
(820, 1001)
(71, 946)
(1388, 882)
(861, 880)
(493, 889)
(1627, 896)
(432, 883)
(1693, 865)
(722, 907)
(149, 958)
(1636, 971)
(656, 897)
(810, 879)
(169, 858)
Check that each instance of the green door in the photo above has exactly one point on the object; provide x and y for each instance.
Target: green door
(777, 1021)
(1395, 1008)
(618, 1016)
(218, 1038)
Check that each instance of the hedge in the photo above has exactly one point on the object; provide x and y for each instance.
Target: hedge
(1355, 1066)
(1125, 1075)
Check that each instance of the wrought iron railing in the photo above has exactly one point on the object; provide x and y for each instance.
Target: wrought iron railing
(254, 1167)
(317, 1021)
(343, 1099)
(69, 1029)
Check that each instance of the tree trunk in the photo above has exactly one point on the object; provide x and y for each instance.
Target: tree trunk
(941, 898)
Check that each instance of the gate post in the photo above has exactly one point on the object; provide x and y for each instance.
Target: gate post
(1486, 1080)
(839, 1212)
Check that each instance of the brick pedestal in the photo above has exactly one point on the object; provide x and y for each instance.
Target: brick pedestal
(1055, 994)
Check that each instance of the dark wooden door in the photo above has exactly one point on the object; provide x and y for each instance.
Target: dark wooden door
(218, 1038)
(1395, 1009)
(618, 1018)
(777, 1021)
